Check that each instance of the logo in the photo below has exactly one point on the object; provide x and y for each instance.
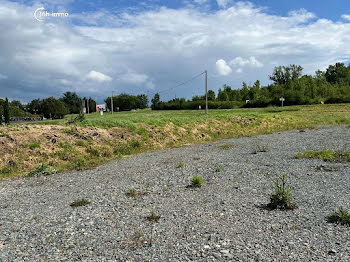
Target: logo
(40, 14)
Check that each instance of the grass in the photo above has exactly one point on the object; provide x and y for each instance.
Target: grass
(180, 165)
(147, 130)
(32, 145)
(131, 192)
(218, 169)
(282, 197)
(153, 217)
(342, 217)
(225, 146)
(42, 170)
(329, 155)
(79, 203)
(197, 181)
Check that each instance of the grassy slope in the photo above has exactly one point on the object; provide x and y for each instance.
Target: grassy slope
(101, 138)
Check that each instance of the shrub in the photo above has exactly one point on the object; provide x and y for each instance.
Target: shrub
(197, 181)
(282, 198)
(342, 217)
(79, 203)
(42, 170)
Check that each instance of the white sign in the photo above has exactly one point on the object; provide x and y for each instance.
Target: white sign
(100, 108)
(282, 99)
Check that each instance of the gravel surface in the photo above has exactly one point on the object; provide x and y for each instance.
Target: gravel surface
(223, 220)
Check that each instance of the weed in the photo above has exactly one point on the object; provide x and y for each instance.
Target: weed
(226, 146)
(6, 170)
(81, 143)
(180, 165)
(32, 145)
(131, 192)
(197, 181)
(282, 198)
(259, 147)
(342, 217)
(42, 170)
(79, 203)
(218, 169)
(79, 163)
(326, 155)
(153, 217)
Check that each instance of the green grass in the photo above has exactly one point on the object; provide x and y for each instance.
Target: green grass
(197, 181)
(180, 165)
(218, 169)
(147, 130)
(282, 197)
(32, 145)
(342, 217)
(329, 155)
(80, 202)
(42, 170)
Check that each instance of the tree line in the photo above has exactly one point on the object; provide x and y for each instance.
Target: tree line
(329, 86)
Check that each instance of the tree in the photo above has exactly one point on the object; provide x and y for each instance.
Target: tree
(34, 107)
(211, 95)
(282, 75)
(16, 103)
(54, 108)
(72, 101)
(7, 111)
(142, 101)
(155, 101)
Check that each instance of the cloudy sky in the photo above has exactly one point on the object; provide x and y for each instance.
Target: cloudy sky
(153, 45)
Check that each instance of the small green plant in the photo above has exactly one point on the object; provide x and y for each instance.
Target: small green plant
(197, 181)
(80, 163)
(131, 192)
(218, 169)
(342, 217)
(326, 155)
(282, 197)
(42, 170)
(225, 146)
(180, 165)
(81, 143)
(32, 145)
(259, 147)
(80, 202)
(153, 217)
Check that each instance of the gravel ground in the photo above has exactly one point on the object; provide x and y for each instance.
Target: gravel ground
(223, 220)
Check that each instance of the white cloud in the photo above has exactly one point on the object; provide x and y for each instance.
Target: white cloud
(346, 17)
(200, 1)
(97, 76)
(223, 68)
(160, 47)
(3, 76)
(223, 3)
(251, 61)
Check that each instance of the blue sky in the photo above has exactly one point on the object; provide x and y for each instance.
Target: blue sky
(152, 45)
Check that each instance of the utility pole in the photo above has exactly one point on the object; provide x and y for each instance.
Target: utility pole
(206, 91)
(112, 103)
(88, 105)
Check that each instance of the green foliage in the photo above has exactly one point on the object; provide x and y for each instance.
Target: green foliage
(218, 169)
(72, 101)
(127, 102)
(153, 217)
(42, 170)
(131, 192)
(197, 181)
(282, 197)
(54, 108)
(32, 145)
(326, 155)
(342, 217)
(79, 203)
(7, 111)
(180, 165)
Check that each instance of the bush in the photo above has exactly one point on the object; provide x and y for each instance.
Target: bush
(282, 198)
(197, 181)
(342, 217)
(41, 170)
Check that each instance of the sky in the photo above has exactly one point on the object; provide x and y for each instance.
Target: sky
(149, 46)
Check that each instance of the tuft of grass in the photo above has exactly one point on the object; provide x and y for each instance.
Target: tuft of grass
(226, 146)
(131, 192)
(180, 165)
(282, 197)
(218, 169)
(32, 145)
(153, 217)
(329, 155)
(197, 181)
(80, 202)
(342, 217)
(42, 170)
(259, 147)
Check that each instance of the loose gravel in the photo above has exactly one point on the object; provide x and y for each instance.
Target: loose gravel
(223, 220)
